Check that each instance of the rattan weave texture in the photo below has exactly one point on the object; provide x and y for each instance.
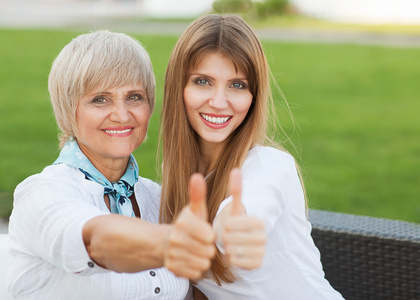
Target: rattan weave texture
(368, 258)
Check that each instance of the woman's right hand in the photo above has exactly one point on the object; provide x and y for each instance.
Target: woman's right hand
(243, 237)
(191, 243)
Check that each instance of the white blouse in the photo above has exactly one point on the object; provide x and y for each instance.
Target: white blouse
(291, 269)
(48, 257)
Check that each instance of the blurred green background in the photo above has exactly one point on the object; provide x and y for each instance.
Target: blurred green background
(355, 108)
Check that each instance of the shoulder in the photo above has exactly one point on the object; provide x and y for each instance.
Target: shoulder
(148, 197)
(148, 186)
(57, 181)
(268, 166)
(270, 152)
(53, 175)
(268, 159)
(148, 189)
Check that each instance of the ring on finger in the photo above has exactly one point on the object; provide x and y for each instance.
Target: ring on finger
(239, 251)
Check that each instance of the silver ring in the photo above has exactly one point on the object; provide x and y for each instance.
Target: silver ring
(240, 251)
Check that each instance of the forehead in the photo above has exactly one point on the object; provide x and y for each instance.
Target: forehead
(209, 60)
(113, 86)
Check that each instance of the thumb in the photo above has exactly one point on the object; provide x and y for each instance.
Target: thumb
(235, 185)
(197, 191)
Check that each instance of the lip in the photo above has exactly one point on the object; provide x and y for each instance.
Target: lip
(215, 126)
(118, 131)
(216, 115)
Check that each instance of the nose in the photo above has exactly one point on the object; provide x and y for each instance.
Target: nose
(219, 98)
(120, 112)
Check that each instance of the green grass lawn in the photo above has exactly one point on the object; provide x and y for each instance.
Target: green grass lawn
(355, 109)
(299, 22)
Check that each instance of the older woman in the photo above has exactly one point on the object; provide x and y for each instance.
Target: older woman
(214, 115)
(85, 228)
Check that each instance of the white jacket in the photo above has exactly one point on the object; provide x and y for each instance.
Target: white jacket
(48, 257)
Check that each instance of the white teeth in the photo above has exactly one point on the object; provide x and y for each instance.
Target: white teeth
(215, 120)
(118, 131)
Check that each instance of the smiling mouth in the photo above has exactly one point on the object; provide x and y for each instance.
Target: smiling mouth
(215, 120)
(118, 131)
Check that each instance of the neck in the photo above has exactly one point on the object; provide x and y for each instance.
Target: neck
(112, 168)
(209, 155)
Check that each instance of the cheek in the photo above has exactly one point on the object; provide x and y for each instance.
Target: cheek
(188, 99)
(189, 103)
(242, 106)
(143, 116)
(194, 97)
(84, 121)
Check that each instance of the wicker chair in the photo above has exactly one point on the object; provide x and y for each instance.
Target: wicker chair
(368, 258)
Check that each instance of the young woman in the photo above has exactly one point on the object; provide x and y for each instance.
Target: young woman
(214, 116)
(86, 227)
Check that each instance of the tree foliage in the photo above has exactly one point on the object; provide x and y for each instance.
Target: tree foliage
(260, 9)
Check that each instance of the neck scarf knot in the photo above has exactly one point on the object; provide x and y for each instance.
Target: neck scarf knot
(118, 192)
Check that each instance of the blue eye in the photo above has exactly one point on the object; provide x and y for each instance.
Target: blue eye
(238, 85)
(201, 81)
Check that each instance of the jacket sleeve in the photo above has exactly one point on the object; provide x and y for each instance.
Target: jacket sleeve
(47, 221)
(270, 184)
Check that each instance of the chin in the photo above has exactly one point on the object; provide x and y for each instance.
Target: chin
(216, 140)
(122, 152)
(124, 146)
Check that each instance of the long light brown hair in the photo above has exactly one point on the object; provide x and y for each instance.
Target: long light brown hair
(231, 36)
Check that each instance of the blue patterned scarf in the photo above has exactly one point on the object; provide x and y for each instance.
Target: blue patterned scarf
(118, 192)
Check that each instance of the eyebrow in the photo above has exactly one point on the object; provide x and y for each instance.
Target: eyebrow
(108, 93)
(212, 78)
(136, 91)
(201, 74)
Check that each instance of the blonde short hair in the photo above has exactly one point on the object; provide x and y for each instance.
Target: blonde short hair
(96, 61)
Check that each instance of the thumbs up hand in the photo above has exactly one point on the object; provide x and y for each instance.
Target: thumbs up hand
(197, 192)
(191, 242)
(235, 186)
(243, 236)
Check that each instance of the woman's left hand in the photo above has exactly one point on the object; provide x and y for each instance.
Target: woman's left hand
(244, 237)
